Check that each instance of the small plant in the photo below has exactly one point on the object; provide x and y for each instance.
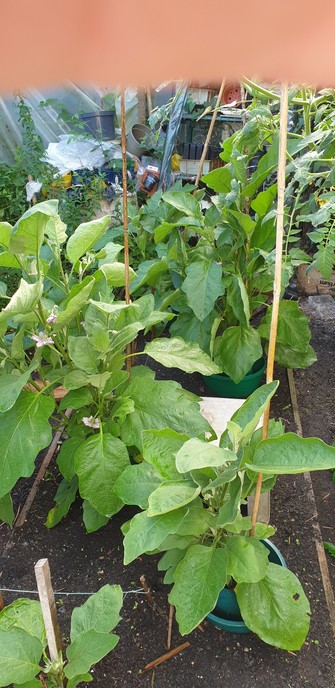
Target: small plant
(192, 495)
(23, 643)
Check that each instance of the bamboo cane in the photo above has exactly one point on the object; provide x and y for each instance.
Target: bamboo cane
(209, 134)
(277, 278)
(125, 211)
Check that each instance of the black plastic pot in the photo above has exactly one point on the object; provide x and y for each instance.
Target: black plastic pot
(100, 124)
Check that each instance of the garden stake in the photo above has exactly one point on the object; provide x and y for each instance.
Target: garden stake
(169, 635)
(150, 597)
(2, 604)
(22, 517)
(125, 211)
(209, 134)
(277, 278)
(48, 605)
(164, 658)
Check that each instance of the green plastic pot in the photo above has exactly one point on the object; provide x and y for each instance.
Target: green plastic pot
(223, 385)
(226, 615)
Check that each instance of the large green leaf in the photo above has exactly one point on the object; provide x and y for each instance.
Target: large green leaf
(196, 521)
(240, 348)
(290, 454)
(65, 458)
(6, 509)
(124, 337)
(287, 357)
(237, 297)
(136, 484)
(11, 387)
(28, 233)
(8, 260)
(176, 353)
(160, 448)
(25, 614)
(76, 399)
(247, 559)
(115, 274)
(276, 608)
(187, 326)
(161, 404)
(231, 507)
(149, 273)
(185, 202)
(74, 304)
(20, 654)
(83, 354)
(101, 612)
(99, 461)
(24, 431)
(147, 533)
(293, 329)
(5, 232)
(219, 179)
(85, 236)
(24, 300)
(250, 413)
(171, 495)
(203, 285)
(198, 454)
(199, 578)
(87, 649)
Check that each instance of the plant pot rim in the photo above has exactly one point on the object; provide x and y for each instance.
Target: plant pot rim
(249, 376)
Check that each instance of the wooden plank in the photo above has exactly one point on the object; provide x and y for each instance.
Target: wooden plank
(49, 611)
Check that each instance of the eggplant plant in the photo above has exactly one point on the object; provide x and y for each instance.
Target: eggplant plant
(23, 643)
(214, 266)
(191, 494)
(65, 326)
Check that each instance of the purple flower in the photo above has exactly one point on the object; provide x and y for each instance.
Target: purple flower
(91, 422)
(52, 318)
(41, 339)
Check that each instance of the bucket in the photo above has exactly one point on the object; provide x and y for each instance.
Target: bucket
(135, 137)
(100, 124)
(223, 386)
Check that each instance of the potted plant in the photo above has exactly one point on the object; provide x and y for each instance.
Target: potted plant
(192, 494)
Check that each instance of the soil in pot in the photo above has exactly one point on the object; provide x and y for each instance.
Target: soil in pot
(223, 386)
(226, 615)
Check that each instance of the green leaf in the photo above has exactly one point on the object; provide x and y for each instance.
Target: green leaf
(289, 358)
(101, 612)
(124, 337)
(25, 614)
(203, 285)
(330, 548)
(115, 274)
(160, 448)
(5, 232)
(247, 559)
(187, 326)
(198, 454)
(74, 682)
(56, 230)
(28, 232)
(88, 649)
(99, 461)
(6, 509)
(23, 301)
(163, 230)
(230, 510)
(76, 379)
(92, 519)
(83, 354)
(149, 273)
(185, 202)
(293, 329)
(244, 221)
(196, 520)
(219, 179)
(136, 484)
(276, 608)
(199, 578)
(237, 297)
(20, 654)
(147, 533)
(8, 260)
(240, 348)
(171, 495)
(176, 353)
(290, 454)
(161, 404)
(85, 236)
(65, 458)
(76, 399)
(64, 497)
(24, 431)
(34, 683)
(11, 387)
(74, 305)
(249, 414)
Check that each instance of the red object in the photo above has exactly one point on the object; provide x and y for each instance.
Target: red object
(232, 93)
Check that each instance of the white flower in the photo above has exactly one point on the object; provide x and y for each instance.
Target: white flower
(52, 318)
(41, 339)
(91, 422)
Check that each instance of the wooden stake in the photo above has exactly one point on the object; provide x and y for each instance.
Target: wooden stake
(277, 278)
(164, 658)
(146, 589)
(49, 611)
(22, 517)
(2, 603)
(209, 134)
(169, 635)
(125, 211)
